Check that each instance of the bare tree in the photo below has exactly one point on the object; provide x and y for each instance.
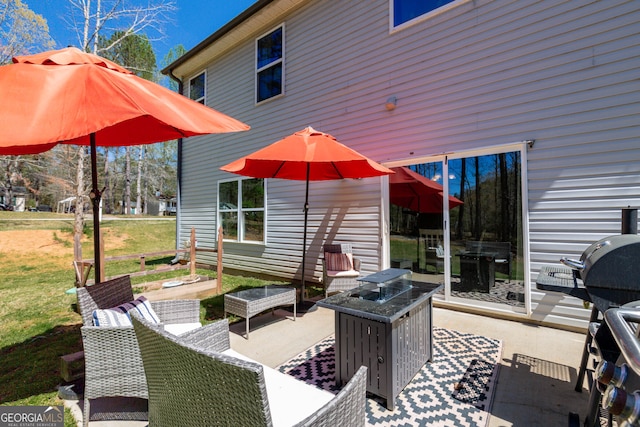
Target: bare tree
(91, 19)
(127, 180)
(22, 31)
(139, 189)
(145, 194)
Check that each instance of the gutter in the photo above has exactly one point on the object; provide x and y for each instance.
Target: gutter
(225, 29)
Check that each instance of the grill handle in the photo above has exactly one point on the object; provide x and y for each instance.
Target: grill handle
(573, 263)
(618, 320)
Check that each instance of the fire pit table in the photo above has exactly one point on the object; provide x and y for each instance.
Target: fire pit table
(254, 301)
(386, 325)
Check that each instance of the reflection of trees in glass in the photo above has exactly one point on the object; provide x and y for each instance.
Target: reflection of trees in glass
(228, 195)
(242, 220)
(490, 189)
(403, 221)
(253, 193)
(462, 176)
(432, 171)
(253, 198)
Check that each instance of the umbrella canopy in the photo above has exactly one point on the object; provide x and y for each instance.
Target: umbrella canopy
(416, 192)
(67, 95)
(307, 155)
(71, 97)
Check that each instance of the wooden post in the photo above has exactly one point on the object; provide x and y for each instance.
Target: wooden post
(77, 258)
(219, 263)
(101, 255)
(142, 263)
(192, 254)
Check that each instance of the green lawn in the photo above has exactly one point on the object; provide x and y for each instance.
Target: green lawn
(37, 321)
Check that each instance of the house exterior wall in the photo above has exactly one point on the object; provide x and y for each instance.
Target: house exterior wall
(482, 73)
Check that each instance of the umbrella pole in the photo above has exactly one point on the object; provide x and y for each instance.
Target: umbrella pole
(95, 199)
(304, 239)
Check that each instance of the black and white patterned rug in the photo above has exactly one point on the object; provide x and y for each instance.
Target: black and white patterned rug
(455, 389)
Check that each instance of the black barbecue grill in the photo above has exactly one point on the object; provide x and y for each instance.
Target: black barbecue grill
(607, 275)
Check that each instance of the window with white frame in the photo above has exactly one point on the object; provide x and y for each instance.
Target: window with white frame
(197, 88)
(407, 10)
(241, 209)
(270, 65)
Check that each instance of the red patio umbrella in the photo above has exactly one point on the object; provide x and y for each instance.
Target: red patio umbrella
(71, 97)
(416, 192)
(307, 155)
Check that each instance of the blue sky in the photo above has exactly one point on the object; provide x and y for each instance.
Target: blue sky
(194, 20)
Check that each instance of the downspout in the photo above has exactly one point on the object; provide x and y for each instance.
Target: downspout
(179, 173)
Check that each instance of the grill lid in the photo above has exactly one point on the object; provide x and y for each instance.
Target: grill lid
(609, 269)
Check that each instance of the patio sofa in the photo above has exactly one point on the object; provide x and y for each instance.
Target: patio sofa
(197, 380)
(113, 367)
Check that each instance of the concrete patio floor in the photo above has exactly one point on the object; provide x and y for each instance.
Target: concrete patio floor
(536, 378)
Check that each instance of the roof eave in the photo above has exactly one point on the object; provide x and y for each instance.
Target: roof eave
(223, 31)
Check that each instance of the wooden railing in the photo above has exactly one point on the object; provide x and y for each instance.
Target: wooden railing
(83, 267)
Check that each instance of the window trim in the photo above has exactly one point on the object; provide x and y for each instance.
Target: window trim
(421, 18)
(239, 211)
(204, 96)
(271, 64)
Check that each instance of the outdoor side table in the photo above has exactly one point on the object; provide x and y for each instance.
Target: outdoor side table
(386, 325)
(249, 302)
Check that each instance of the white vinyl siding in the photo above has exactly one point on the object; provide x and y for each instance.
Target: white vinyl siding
(481, 74)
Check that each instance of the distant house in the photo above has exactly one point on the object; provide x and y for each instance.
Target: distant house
(526, 111)
(167, 206)
(18, 199)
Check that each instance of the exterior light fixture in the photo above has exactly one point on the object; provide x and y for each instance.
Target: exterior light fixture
(391, 103)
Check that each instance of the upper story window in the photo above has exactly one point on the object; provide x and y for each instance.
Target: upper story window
(270, 64)
(407, 10)
(241, 209)
(197, 88)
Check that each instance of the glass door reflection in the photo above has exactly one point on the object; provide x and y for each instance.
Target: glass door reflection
(486, 229)
(416, 209)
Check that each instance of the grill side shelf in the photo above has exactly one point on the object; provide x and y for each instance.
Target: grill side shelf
(558, 278)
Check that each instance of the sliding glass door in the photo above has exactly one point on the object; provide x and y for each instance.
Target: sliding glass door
(470, 240)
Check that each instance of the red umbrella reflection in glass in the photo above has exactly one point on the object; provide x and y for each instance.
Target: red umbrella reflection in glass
(416, 192)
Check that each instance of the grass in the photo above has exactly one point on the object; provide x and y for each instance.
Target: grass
(37, 321)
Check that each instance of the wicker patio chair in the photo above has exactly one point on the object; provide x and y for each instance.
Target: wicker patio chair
(196, 380)
(433, 241)
(113, 366)
(341, 278)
